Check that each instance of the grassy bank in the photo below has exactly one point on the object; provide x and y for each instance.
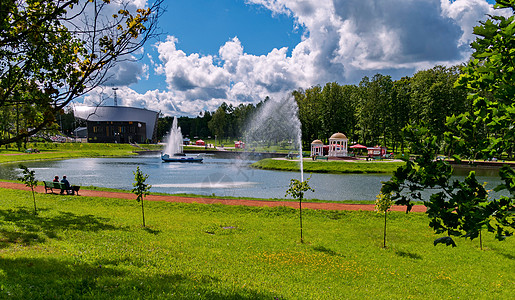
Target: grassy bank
(49, 151)
(80, 247)
(335, 166)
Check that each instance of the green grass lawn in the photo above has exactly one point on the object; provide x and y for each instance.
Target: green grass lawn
(335, 166)
(49, 151)
(94, 248)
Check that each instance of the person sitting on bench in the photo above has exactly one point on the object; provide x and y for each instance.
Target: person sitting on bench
(56, 179)
(66, 185)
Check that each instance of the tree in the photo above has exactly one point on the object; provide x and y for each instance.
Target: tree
(309, 104)
(434, 98)
(141, 189)
(373, 108)
(399, 111)
(457, 208)
(242, 116)
(29, 178)
(463, 208)
(296, 190)
(53, 51)
(218, 122)
(337, 111)
(382, 205)
(489, 79)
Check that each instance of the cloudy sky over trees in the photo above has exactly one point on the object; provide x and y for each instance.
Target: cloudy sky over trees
(240, 51)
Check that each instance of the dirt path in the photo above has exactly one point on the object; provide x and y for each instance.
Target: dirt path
(307, 205)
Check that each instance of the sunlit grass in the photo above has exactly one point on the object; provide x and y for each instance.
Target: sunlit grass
(334, 167)
(52, 151)
(80, 247)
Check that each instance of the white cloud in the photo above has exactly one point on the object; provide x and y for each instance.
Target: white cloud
(466, 13)
(139, 3)
(343, 41)
(189, 72)
(349, 38)
(239, 77)
(125, 73)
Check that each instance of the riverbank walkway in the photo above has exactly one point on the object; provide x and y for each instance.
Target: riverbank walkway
(170, 198)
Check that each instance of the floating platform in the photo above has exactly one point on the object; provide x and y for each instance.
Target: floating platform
(181, 158)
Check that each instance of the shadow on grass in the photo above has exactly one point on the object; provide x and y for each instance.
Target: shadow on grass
(326, 251)
(408, 254)
(29, 229)
(334, 214)
(152, 231)
(502, 252)
(48, 278)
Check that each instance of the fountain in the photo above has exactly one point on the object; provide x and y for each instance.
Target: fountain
(174, 141)
(174, 148)
(277, 126)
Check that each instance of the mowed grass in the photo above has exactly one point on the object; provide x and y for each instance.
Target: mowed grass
(95, 248)
(50, 151)
(335, 166)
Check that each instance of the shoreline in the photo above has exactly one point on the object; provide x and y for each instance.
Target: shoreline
(243, 202)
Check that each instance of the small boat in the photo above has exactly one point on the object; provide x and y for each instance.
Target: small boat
(180, 157)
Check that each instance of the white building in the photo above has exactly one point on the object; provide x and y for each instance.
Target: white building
(338, 145)
(317, 148)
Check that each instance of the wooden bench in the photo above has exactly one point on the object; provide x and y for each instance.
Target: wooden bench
(50, 185)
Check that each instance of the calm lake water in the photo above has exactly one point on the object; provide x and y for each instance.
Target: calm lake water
(221, 177)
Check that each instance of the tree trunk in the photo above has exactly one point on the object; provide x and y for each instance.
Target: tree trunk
(384, 232)
(34, 198)
(300, 211)
(142, 212)
(480, 240)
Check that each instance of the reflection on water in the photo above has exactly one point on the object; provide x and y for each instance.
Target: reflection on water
(463, 170)
(222, 177)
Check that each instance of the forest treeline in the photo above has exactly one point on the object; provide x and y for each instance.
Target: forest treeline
(373, 112)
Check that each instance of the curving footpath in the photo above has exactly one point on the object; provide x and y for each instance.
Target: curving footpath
(293, 204)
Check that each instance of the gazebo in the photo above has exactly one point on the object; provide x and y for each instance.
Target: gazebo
(317, 148)
(338, 145)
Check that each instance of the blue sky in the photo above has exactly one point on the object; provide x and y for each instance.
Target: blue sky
(240, 51)
(203, 25)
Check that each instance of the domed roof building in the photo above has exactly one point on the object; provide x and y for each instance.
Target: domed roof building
(317, 148)
(338, 145)
(338, 135)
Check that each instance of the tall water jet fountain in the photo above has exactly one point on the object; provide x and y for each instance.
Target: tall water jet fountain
(174, 149)
(174, 141)
(277, 122)
(276, 126)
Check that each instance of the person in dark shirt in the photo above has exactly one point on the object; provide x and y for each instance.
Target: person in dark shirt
(66, 184)
(56, 179)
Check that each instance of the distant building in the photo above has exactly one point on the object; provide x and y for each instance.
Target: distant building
(337, 147)
(376, 151)
(317, 148)
(80, 132)
(118, 124)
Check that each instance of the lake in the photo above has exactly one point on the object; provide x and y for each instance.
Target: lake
(215, 176)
